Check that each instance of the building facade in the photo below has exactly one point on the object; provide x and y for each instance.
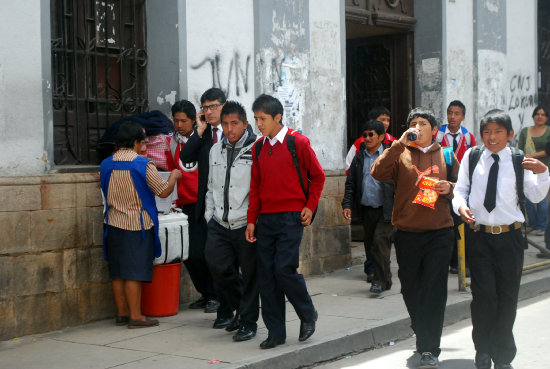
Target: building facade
(69, 68)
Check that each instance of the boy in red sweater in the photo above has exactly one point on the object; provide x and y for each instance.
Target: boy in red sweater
(277, 213)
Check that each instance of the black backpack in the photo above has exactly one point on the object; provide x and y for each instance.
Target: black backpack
(517, 159)
(291, 145)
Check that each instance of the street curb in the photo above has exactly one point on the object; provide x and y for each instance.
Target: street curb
(369, 337)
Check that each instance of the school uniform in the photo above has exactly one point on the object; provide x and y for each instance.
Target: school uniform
(226, 245)
(496, 248)
(374, 201)
(424, 237)
(275, 202)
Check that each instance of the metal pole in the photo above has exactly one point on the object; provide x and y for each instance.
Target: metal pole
(461, 249)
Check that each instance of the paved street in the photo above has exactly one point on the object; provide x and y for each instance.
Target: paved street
(350, 320)
(532, 334)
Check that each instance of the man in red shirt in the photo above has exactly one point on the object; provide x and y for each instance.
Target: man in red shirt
(278, 211)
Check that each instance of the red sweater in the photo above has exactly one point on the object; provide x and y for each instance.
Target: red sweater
(188, 184)
(275, 186)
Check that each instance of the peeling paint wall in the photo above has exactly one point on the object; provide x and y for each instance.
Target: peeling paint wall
(327, 125)
(282, 56)
(521, 82)
(22, 114)
(459, 59)
(220, 50)
(166, 43)
(428, 56)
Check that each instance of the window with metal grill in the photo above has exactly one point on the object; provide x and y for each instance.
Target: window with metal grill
(99, 62)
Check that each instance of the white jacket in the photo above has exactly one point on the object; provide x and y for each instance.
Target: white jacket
(229, 182)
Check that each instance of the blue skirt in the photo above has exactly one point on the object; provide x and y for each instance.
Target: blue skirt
(130, 255)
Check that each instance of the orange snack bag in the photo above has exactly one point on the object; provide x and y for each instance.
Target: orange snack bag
(427, 196)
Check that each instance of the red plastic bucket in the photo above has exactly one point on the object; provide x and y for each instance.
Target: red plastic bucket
(161, 296)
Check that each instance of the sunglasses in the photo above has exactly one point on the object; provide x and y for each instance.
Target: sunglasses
(369, 134)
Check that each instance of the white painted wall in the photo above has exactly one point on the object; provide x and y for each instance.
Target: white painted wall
(459, 53)
(327, 128)
(521, 45)
(220, 39)
(21, 106)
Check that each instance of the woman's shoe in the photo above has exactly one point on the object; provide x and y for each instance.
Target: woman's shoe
(132, 324)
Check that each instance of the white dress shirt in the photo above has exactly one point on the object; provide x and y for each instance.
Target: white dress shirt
(278, 137)
(507, 211)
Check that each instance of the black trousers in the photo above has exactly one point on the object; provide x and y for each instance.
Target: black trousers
(225, 249)
(376, 238)
(496, 263)
(196, 263)
(278, 242)
(423, 259)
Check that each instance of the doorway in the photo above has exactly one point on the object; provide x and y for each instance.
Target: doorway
(379, 70)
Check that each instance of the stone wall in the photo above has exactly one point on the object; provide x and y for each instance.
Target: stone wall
(52, 272)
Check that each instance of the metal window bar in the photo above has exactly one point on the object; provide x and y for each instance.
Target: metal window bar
(99, 63)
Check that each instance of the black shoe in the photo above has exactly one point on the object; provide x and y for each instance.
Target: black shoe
(370, 277)
(453, 270)
(542, 255)
(271, 342)
(211, 306)
(376, 288)
(220, 323)
(234, 325)
(307, 328)
(428, 361)
(244, 334)
(503, 366)
(199, 304)
(483, 361)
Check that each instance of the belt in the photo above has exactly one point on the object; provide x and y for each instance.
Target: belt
(497, 229)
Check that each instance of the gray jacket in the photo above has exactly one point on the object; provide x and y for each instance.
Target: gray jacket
(229, 182)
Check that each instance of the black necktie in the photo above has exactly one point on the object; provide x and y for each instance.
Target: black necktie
(455, 142)
(214, 135)
(491, 192)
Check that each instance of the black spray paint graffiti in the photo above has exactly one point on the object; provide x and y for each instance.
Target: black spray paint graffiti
(522, 94)
(274, 74)
(236, 74)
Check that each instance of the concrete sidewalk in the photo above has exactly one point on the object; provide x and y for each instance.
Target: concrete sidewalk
(350, 320)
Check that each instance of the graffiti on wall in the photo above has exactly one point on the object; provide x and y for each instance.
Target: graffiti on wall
(522, 96)
(236, 80)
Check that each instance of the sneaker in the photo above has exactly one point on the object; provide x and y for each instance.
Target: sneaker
(428, 361)
(539, 232)
(376, 288)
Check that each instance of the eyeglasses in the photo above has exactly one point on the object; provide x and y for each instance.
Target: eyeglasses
(211, 107)
(368, 134)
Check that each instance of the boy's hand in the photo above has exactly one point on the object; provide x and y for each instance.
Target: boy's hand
(306, 216)
(347, 214)
(404, 140)
(466, 214)
(442, 187)
(249, 234)
(534, 165)
(201, 125)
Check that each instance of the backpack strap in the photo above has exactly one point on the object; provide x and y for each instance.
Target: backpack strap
(448, 153)
(258, 146)
(291, 145)
(475, 154)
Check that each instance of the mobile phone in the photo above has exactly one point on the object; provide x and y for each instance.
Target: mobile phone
(203, 118)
